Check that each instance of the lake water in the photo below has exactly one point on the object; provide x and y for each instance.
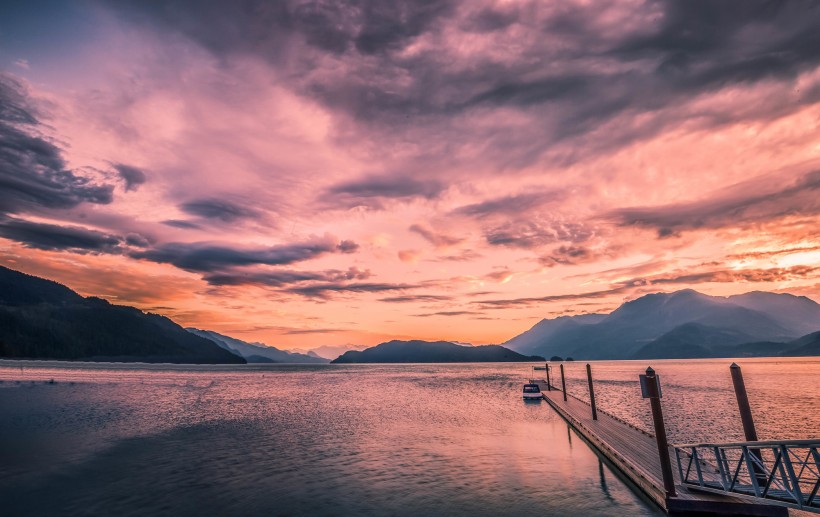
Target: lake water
(350, 439)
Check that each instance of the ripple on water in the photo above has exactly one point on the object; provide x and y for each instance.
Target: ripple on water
(330, 440)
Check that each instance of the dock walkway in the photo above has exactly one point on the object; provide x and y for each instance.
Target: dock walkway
(635, 454)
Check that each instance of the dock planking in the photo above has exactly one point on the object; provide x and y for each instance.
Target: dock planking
(635, 453)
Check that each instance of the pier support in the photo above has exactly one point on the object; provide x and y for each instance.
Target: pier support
(746, 419)
(547, 369)
(591, 393)
(743, 403)
(653, 393)
(563, 383)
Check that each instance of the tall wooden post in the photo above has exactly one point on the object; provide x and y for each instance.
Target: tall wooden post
(591, 393)
(547, 369)
(652, 391)
(743, 403)
(746, 419)
(563, 383)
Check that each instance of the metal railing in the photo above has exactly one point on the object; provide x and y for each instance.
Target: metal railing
(784, 473)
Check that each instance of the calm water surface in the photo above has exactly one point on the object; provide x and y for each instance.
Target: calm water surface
(349, 439)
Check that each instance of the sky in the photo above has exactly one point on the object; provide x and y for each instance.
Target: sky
(335, 173)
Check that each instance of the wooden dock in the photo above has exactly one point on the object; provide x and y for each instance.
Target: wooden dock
(635, 454)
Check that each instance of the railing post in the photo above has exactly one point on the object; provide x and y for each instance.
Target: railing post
(591, 393)
(654, 396)
(563, 383)
(547, 369)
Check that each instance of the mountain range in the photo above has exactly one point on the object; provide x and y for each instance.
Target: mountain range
(41, 319)
(433, 352)
(682, 324)
(257, 352)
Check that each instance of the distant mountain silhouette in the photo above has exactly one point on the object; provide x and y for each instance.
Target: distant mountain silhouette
(808, 345)
(333, 351)
(41, 319)
(693, 340)
(432, 352)
(682, 324)
(256, 352)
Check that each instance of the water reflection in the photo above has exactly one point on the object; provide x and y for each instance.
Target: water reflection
(601, 476)
(452, 439)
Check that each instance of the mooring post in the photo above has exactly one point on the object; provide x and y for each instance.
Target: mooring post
(743, 403)
(746, 419)
(591, 393)
(652, 390)
(563, 383)
(547, 369)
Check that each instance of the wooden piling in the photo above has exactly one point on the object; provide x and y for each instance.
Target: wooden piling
(660, 432)
(591, 393)
(547, 369)
(743, 403)
(746, 419)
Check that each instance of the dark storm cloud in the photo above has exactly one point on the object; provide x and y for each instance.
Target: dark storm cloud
(266, 28)
(411, 298)
(745, 203)
(509, 205)
(372, 191)
(33, 173)
(704, 44)
(52, 237)
(185, 225)
(221, 209)
(447, 313)
(324, 291)
(132, 176)
(575, 67)
(531, 234)
(572, 255)
(137, 240)
(390, 26)
(519, 302)
(204, 257)
(285, 277)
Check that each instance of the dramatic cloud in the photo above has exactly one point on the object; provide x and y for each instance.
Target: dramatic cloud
(439, 240)
(573, 68)
(537, 148)
(185, 225)
(534, 234)
(372, 191)
(516, 302)
(510, 205)
(221, 209)
(53, 237)
(204, 257)
(728, 276)
(740, 204)
(447, 313)
(325, 290)
(285, 277)
(675, 278)
(572, 255)
(132, 176)
(33, 174)
(424, 298)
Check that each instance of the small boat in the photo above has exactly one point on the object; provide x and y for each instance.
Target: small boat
(532, 392)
